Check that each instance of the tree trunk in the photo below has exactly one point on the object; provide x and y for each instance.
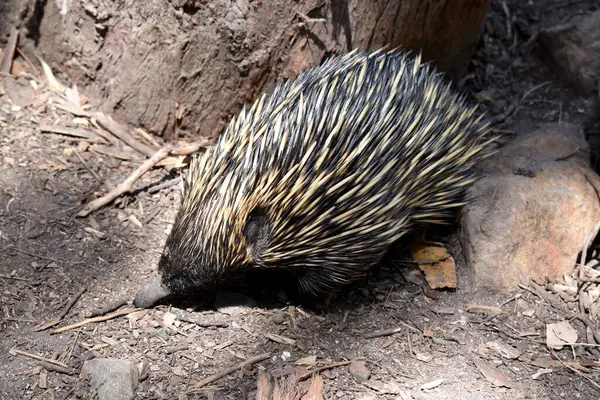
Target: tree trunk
(187, 66)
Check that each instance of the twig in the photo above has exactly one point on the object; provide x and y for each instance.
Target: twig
(35, 255)
(39, 358)
(545, 295)
(64, 311)
(583, 318)
(91, 171)
(575, 370)
(75, 132)
(109, 308)
(70, 354)
(230, 370)
(37, 72)
(203, 324)
(126, 185)
(320, 369)
(57, 368)
(191, 147)
(9, 51)
(117, 130)
(147, 136)
(16, 278)
(87, 321)
(151, 216)
(530, 91)
(175, 349)
(164, 185)
(508, 20)
(386, 332)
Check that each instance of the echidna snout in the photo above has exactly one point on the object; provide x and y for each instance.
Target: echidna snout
(320, 177)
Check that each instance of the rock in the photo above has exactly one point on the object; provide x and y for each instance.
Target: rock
(113, 379)
(531, 211)
(359, 370)
(575, 50)
(233, 303)
(19, 91)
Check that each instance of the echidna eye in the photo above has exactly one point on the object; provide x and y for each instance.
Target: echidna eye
(257, 232)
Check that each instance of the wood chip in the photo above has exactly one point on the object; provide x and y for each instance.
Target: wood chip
(280, 339)
(491, 373)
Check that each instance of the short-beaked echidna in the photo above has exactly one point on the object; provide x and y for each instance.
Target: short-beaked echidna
(321, 176)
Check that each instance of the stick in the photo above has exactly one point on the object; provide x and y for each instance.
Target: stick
(191, 148)
(91, 171)
(147, 136)
(230, 370)
(320, 369)
(75, 132)
(164, 185)
(141, 170)
(386, 332)
(56, 368)
(203, 324)
(10, 51)
(576, 371)
(37, 73)
(95, 319)
(64, 312)
(39, 358)
(16, 278)
(117, 130)
(109, 308)
(174, 349)
(126, 185)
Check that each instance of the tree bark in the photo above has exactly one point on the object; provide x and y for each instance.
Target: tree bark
(185, 67)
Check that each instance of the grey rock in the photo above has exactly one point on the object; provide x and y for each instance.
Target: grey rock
(112, 378)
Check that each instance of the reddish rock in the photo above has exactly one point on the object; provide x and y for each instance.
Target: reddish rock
(359, 370)
(532, 210)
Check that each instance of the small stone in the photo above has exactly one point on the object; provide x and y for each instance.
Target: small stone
(425, 357)
(233, 303)
(278, 317)
(285, 355)
(112, 378)
(359, 370)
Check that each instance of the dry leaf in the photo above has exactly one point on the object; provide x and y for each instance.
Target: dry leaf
(52, 81)
(310, 360)
(73, 96)
(169, 318)
(437, 264)
(559, 334)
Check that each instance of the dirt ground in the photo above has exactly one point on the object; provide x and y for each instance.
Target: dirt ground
(47, 256)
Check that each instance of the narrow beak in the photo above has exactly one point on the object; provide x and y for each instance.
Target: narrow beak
(151, 294)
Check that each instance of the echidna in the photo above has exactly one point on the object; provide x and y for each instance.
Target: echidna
(320, 177)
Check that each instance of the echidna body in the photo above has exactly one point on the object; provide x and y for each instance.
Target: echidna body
(321, 176)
